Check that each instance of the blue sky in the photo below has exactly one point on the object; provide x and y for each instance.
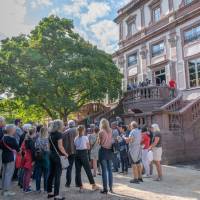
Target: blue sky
(93, 19)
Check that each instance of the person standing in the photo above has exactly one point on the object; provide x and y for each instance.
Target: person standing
(19, 131)
(156, 147)
(172, 87)
(56, 150)
(123, 150)
(94, 148)
(145, 149)
(115, 135)
(106, 155)
(135, 152)
(42, 158)
(2, 130)
(9, 147)
(28, 149)
(68, 143)
(81, 160)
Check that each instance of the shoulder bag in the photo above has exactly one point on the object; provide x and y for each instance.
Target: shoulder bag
(64, 161)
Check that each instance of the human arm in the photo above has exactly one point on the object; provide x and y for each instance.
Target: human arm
(61, 148)
(156, 140)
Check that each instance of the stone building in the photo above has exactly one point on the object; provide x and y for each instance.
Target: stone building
(160, 40)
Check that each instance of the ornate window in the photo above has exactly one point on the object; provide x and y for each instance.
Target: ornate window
(132, 59)
(186, 2)
(121, 31)
(158, 49)
(131, 26)
(156, 14)
(192, 34)
(194, 72)
(156, 11)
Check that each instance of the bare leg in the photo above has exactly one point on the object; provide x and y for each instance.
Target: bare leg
(135, 172)
(139, 169)
(159, 169)
(94, 164)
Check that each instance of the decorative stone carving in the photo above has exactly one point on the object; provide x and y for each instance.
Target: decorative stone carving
(173, 39)
(144, 52)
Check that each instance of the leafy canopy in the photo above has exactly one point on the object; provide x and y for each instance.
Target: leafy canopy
(57, 70)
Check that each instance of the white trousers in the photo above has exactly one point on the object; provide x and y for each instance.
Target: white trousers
(145, 161)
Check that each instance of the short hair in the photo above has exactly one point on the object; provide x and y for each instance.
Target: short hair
(9, 127)
(80, 129)
(114, 123)
(57, 125)
(17, 121)
(2, 119)
(134, 124)
(124, 127)
(71, 123)
(144, 129)
(26, 127)
(155, 127)
(92, 126)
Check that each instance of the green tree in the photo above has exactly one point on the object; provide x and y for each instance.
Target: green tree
(57, 70)
(14, 108)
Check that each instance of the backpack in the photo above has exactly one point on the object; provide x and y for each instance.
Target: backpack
(39, 154)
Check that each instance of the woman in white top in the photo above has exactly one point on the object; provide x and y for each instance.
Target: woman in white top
(81, 160)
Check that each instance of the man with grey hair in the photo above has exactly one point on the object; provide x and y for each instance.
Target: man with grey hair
(9, 146)
(2, 130)
(115, 135)
(135, 152)
(68, 143)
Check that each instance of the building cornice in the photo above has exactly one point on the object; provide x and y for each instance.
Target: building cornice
(180, 16)
(129, 8)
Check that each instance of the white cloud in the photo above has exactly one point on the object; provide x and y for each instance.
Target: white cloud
(106, 32)
(74, 9)
(55, 11)
(95, 11)
(37, 3)
(12, 18)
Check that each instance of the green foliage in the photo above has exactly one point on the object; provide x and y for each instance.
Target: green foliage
(57, 70)
(13, 109)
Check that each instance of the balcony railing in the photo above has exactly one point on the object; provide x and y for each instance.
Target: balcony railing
(150, 92)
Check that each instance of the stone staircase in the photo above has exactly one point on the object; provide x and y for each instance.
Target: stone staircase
(178, 118)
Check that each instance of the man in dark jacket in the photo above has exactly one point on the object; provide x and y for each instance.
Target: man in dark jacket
(68, 142)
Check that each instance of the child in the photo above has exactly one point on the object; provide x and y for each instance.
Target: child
(28, 149)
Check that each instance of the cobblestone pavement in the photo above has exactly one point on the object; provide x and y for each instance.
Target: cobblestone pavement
(178, 184)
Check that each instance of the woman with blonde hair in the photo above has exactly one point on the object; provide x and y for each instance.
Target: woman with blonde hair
(42, 158)
(56, 150)
(81, 160)
(156, 146)
(106, 155)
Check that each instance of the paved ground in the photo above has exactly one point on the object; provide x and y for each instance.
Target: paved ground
(178, 184)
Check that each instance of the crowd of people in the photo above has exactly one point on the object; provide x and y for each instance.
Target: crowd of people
(32, 153)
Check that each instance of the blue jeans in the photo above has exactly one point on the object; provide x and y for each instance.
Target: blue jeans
(39, 170)
(116, 162)
(106, 166)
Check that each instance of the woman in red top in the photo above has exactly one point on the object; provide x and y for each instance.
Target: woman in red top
(145, 146)
(28, 149)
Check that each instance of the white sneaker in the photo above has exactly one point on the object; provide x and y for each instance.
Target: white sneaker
(8, 193)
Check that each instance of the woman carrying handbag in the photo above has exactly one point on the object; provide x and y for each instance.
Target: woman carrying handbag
(56, 151)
